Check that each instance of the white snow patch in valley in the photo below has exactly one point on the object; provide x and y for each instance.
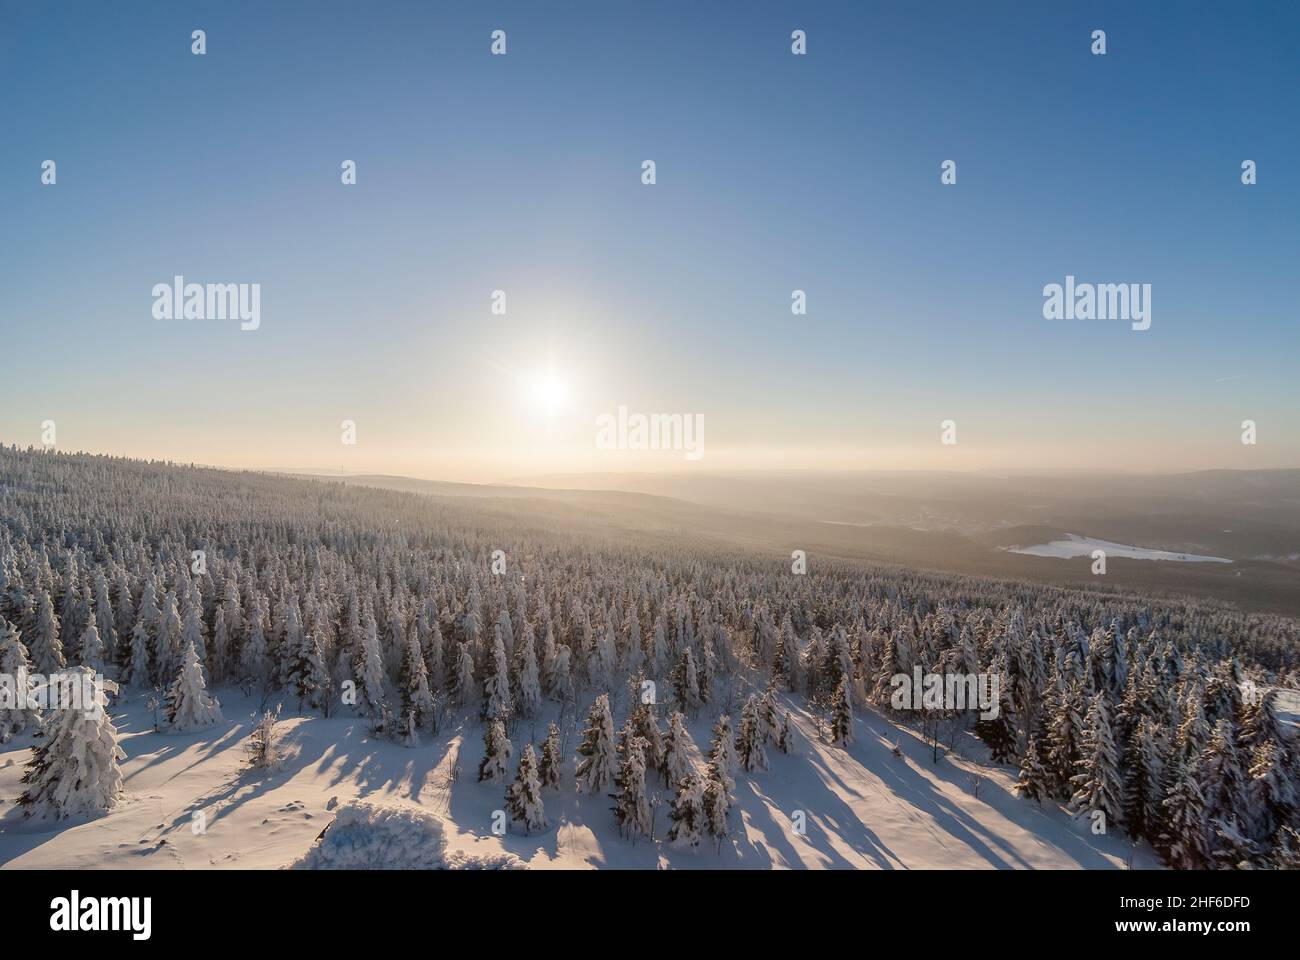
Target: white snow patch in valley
(1077, 546)
(864, 807)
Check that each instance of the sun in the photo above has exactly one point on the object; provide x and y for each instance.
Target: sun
(549, 393)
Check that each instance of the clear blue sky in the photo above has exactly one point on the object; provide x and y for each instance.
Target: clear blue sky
(775, 172)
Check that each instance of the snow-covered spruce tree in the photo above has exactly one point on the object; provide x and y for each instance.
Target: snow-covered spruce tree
(750, 750)
(104, 620)
(462, 676)
(497, 750)
(1143, 771)
(74, 769)
(769, 718)
(528, 687)
(842, 714)
(646, 726)
(783, 741)
(1065, 728)
(497, 701)
(676, 764)
(1035, 781)
(307, 676)
(188, 706)
(722, 751)
(44, 645)
(192, 631)
(1097, 785)
(167, 642)
(717, 801)
(524, 796)
(15, 665)
(1223, 779)
(631, 805)
(1001, 733)
(551, 767)
(1184, 840)
(706, 677)
(435, 657)
(686, 687)
(417, 700)
(220, 646)
(253, 658)
(368, 669)
(687, 814)
(1271, 798)
(136, 669)
(92, 648)
(597, 757)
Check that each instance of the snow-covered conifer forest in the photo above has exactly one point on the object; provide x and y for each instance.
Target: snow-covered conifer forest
(461, 683)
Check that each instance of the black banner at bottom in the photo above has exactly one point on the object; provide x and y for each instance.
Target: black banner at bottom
(358, 910)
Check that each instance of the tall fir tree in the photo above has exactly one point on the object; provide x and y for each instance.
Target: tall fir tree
(598, 759)
(188, 706)
(74, 770)
(524, 796)
(551, 768)
(497, 750)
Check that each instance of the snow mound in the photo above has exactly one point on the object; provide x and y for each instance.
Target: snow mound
(388, 836)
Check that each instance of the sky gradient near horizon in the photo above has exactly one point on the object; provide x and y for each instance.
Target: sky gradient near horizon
(775, 172)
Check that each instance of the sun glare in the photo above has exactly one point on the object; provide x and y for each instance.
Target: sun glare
(549, 393)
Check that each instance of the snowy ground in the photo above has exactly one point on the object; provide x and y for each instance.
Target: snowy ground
(864, 807)
(1077, 546)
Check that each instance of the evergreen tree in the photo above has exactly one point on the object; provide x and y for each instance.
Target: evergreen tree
(676, 763)
(369, 672)
(717, 801)
(1000, 733)
(598, 758)
(722, 752)
(136, 670)
(552, 764)
(307, 677)
(528, 684)
(1097, 785)
(842, 714)
(497, 701)
(188, 706)
(417, 700)
(1222, 776)
(167, 641)
(462, 677)
(1035, 780)
(783, 741)
(253, 656)
(74, 770)
(1064, 732)
(220, 646)
(685, 683)
(750, 750)
(689, 821)
(1143, 773)
(192, 632)
(46, 648)
(497, 751)
(1270, 792)
(92, 648)
(631, 805)
(1183, 842)
(769, 723)
(524, 796)
(22, 715)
